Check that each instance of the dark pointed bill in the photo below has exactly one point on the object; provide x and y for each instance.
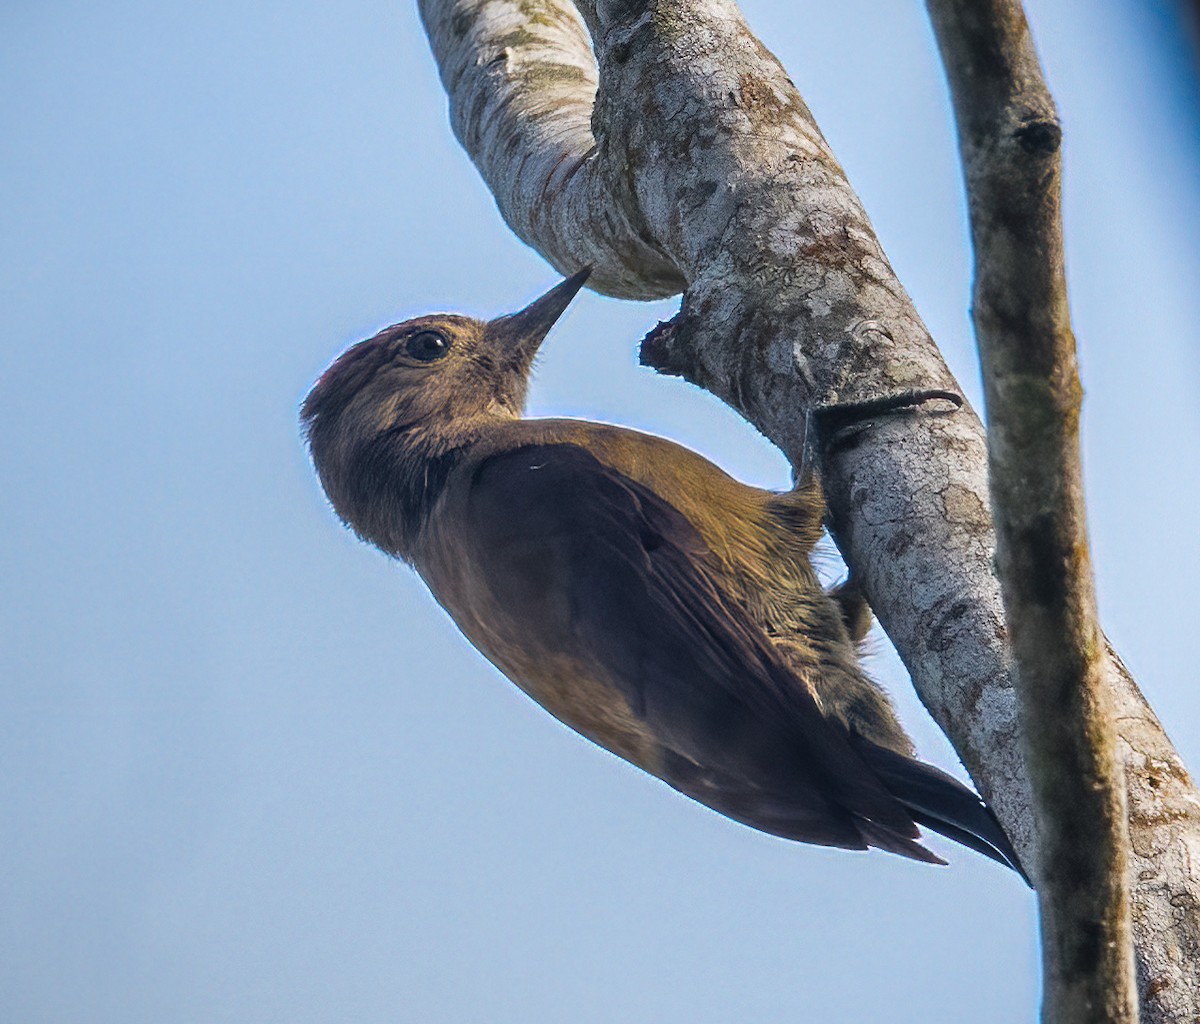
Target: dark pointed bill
(521, 333)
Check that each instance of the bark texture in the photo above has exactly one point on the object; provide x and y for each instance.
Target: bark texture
(692, 162)
(1010, 139)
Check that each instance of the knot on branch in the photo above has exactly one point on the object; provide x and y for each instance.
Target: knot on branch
(668, 349)
(1040, 137)
(661, 348)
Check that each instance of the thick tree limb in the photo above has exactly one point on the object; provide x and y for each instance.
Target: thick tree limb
(522, 79)
(1010, 141)
(704, 166)
(791, 303)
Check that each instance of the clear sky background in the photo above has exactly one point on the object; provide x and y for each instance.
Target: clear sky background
(249, 771)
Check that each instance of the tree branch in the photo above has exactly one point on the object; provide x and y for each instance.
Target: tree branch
(1010, 140)
(521, 81)
(791, 304)
(708, 169)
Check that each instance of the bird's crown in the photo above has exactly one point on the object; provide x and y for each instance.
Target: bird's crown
(433, 370)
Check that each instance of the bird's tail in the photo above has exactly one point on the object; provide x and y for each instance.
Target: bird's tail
(941, 803)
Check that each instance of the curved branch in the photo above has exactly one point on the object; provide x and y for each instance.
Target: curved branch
(709, 169)
(791, 303)
(521, 81)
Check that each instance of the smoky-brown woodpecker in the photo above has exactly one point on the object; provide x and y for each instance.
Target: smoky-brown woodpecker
(642, 596)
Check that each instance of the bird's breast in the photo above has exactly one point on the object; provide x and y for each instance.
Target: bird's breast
(567, 686)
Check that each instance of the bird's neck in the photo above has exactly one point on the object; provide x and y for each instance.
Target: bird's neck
(394, 482)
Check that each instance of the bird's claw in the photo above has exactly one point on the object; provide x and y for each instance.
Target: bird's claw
(838, 427)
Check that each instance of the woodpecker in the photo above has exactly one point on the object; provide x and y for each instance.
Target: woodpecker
(636, 591)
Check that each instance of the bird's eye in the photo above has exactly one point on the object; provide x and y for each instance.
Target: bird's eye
(428, 346)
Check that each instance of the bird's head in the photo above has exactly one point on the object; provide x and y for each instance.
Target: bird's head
(423, 387)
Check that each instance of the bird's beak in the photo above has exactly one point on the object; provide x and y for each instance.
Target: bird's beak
(520, 334)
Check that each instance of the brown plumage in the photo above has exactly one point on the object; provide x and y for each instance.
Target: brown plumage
(633, 589)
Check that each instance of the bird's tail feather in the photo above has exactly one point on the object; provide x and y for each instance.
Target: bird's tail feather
(884, 838)
(941, 803)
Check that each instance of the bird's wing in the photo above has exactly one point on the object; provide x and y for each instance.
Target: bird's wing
(582, 560)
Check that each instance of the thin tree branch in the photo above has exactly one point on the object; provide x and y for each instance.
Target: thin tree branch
(1010, 140)
(708, 169)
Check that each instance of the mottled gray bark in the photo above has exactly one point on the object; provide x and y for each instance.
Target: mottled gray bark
(700, 167)
(1010, 139)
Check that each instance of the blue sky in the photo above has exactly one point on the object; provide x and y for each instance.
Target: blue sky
(250, 771)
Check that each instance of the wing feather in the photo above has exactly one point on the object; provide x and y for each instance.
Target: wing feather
(587, 561)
